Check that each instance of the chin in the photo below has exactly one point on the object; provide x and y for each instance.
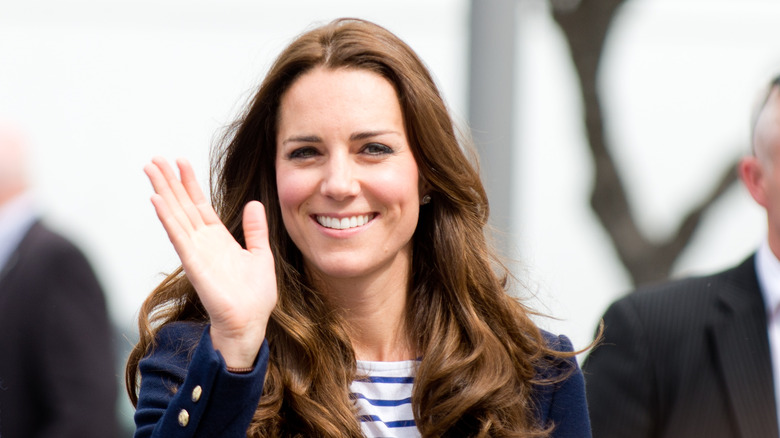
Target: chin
(339, 271)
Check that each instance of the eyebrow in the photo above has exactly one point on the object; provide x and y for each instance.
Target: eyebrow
(370, 134)
(354, 137)
(303, 139)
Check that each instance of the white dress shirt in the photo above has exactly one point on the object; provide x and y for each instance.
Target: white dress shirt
(768, 271)
(16, 218)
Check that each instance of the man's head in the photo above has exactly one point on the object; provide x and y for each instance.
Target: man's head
(760, 172)
(13, 162)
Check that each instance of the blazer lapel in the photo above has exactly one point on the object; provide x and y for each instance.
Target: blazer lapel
(740, 338)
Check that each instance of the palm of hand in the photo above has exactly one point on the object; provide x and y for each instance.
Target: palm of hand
(237, 286)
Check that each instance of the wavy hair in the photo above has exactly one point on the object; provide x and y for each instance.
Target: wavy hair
(480, 350)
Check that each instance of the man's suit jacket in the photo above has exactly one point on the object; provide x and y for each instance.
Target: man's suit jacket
(57, 367)
(685, 359)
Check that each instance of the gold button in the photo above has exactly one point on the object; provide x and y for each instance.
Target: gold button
(196, 392)
(184, 417)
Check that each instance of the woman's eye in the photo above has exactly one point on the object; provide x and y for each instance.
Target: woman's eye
(302, 153)
(377, 149)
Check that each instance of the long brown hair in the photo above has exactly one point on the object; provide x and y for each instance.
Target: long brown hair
(480, 350)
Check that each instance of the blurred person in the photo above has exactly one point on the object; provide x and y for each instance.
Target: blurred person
(344, 286)
(700, 357)
(57, 364)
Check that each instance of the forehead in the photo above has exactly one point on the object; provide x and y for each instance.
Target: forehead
(333, 90)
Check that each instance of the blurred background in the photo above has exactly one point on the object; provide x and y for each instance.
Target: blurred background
(102, 86)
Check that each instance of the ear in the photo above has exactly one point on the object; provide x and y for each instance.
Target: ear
(422, 185)
(754, 176)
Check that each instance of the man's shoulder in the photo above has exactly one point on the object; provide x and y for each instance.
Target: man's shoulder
(41, 236)
(688, 301)
(44, 249)
(695, 288)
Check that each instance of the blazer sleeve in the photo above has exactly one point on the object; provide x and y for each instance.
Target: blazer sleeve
(619, 377)
(563, 404)
(188, 392)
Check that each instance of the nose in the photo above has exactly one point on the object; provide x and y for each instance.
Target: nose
(339, 181)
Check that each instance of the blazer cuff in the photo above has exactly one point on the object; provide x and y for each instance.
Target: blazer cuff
(211, 399)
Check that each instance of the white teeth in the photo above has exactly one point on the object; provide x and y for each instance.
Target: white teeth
(344, 223)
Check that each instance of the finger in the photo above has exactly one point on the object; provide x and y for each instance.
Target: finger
(162, 188)
(192, 187)
(255, 227)
(176, 234)
(178, 191)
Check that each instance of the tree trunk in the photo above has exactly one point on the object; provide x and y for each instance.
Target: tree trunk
(586, 26)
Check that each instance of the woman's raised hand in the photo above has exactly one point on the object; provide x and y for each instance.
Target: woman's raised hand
(237, 286)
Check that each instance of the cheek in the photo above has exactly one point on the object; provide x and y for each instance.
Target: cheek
(292, 190)
(399, 187)
(412, 187)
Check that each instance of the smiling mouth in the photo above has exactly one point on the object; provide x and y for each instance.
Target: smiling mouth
(345, 222)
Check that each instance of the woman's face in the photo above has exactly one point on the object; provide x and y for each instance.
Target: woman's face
(347, 180)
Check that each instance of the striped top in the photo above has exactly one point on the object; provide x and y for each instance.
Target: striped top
(384, 398)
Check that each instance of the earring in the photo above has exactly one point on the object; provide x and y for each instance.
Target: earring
(426, 199)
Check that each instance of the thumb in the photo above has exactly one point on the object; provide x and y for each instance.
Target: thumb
(255, 227)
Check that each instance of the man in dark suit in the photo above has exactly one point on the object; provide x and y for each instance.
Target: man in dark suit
(57, 369)
(699, 357)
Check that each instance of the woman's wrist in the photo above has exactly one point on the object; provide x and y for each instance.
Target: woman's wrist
(238, 353)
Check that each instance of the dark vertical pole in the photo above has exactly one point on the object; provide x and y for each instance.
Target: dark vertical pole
(491, 106)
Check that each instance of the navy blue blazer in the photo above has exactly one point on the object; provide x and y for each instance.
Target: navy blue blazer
(190, 393)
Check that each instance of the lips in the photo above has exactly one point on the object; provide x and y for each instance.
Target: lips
(344, 222)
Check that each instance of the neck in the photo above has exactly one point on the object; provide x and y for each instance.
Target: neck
(774, 243)
(10, 191)
(375, 313)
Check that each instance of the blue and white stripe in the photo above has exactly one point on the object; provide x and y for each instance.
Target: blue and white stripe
(383, 396)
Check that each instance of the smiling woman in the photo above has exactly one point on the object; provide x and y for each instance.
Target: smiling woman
(342, 285)
(343, 155)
